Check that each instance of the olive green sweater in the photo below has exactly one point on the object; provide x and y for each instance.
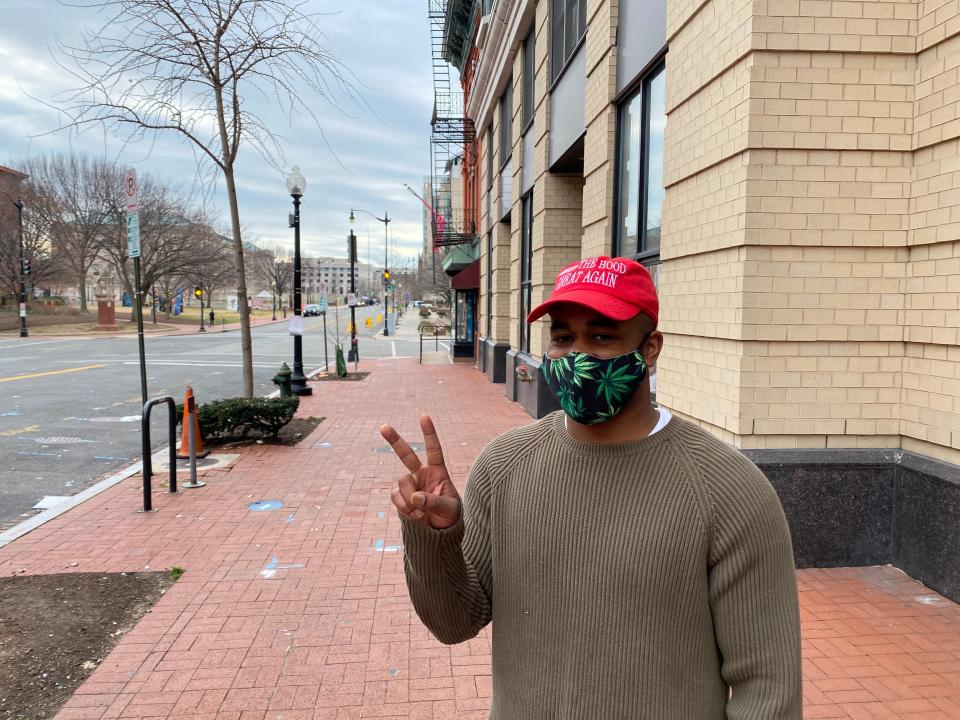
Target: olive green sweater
(645, 580)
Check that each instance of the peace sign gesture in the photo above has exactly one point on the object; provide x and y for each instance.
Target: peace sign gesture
(426, 494)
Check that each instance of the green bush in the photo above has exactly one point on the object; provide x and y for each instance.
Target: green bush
(238, 417)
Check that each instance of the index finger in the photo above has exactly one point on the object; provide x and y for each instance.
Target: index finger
(401, 447)
(431, 441)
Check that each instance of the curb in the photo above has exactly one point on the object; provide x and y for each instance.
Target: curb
(21, 529)
(32, 523)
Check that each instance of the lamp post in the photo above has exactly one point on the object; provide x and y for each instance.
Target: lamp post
(354, 353)
(296, 184)
(23, 271)
(386, 308)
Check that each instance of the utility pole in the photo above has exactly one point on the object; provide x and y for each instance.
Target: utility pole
(24, 271)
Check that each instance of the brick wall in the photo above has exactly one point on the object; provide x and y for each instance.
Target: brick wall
(810, 281)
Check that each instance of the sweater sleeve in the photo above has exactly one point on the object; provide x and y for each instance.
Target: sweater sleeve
(753, 595)
(448, 571)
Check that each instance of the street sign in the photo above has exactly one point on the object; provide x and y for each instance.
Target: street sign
(130, 190)
(391, 288)
(352, 299)
(323, 304)
(133, 235)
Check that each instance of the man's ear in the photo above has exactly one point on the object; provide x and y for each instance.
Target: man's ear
(651, 348)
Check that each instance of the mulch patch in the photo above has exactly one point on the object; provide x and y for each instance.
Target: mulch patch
(326, 377)
(56, 629)
(290, 434)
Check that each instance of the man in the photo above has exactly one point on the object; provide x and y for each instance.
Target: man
(633, 565)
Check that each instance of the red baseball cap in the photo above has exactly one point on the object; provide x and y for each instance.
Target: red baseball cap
(618, 288)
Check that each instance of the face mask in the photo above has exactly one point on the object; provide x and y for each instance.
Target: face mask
(593, 390)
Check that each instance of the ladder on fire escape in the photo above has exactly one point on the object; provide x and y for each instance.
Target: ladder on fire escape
(451, 138)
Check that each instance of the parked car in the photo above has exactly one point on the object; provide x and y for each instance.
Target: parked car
(311, 309)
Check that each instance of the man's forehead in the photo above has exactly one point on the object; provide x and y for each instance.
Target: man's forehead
(562, 315)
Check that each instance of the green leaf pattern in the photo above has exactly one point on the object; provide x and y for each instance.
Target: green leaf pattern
(593, 390)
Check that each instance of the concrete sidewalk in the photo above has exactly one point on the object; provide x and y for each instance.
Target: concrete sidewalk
(302, 612)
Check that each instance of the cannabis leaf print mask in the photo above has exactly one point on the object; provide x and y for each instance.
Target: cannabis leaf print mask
(593, 390)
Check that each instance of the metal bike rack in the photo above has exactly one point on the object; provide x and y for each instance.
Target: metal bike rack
(145, 447)
(438, 332)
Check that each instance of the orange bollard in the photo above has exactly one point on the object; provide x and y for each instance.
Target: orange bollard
(190, 414)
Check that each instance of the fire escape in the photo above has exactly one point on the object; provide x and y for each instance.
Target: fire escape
(451, 141)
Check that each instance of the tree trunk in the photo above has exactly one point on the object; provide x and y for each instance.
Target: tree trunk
(83, 288)
(246, 341)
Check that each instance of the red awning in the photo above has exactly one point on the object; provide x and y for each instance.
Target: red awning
(468, 278)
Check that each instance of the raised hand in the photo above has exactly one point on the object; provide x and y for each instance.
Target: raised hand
(425, 494)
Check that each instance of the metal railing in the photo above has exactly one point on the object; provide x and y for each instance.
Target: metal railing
(438, 332)
(145, 447)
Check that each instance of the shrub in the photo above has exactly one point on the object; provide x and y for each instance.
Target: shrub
(238, 417)
(424, 312)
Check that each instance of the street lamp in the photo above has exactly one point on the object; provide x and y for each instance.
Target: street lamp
(386, 221)
(296, 184)
(24, 270)
(354, 353)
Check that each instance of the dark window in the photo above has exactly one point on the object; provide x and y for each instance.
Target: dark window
(526, 267)
(506, 124)
(490, 284)
(529, 73)
(569, 23)
(487, 6)
(490, 157)
(640, 173)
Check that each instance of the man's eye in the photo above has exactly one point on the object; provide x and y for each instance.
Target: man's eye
(561, 339)
(603, 338)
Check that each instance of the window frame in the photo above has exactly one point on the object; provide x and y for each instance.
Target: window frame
(529, 49)
(559, 65)
(506, 125)
(526, 269)
(490, 158)
(640, 88)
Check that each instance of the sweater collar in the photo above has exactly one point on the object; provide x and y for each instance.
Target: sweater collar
(563, 437)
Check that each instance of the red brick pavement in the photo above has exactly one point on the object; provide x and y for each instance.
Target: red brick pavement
(303, 613)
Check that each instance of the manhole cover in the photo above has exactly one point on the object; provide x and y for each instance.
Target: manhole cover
(60, 440)
(265, 505)
(416, 447)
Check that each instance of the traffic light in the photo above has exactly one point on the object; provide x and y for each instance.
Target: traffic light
(26, 267)
(386, 277)
(198, 292)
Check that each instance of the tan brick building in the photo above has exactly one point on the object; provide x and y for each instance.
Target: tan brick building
(789, 170)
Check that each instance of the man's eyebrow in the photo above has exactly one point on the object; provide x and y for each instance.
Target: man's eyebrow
(558, 325)
(604, 322)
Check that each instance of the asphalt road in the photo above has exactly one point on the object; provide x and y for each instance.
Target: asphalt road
(70, 409)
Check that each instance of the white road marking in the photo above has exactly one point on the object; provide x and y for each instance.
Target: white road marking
(393, 347)
(199, 364)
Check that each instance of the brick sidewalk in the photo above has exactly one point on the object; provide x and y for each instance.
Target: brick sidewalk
(302, 612)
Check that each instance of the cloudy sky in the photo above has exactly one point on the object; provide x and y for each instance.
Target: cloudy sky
(385, 43)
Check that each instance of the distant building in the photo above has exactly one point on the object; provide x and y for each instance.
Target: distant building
(331, 275)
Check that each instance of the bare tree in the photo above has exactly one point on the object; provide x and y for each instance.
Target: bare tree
(190, 66)
(35, 203)
(274, 268)
(69, 208)
(175, 239)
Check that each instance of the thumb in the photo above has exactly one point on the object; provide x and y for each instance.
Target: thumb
(437, 504)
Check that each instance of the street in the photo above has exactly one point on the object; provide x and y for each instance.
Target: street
(70, 408)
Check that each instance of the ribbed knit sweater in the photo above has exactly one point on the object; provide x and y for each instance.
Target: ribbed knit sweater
(648, 580)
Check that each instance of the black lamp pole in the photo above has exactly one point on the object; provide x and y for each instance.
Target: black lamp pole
(386, 258)
(353, 354)
(296, 184)
(298, 379)
(23, 275)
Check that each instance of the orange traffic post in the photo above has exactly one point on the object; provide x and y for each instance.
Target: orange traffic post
(190, 415)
